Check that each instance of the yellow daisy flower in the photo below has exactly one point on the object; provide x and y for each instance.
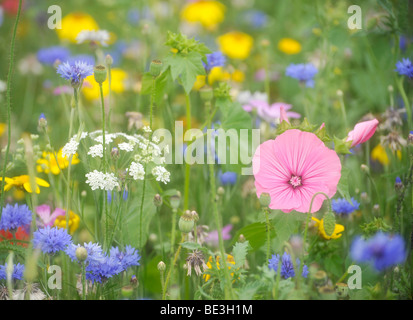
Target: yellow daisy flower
(236, 45)
(230, 260)
(23, 183)
(338, 229)
(48, 162)
(199, 82)
(73, 23)
(217, 74)
(208, 13)
(289, 46)
(74, 221)
(379, 154)
(91, 88)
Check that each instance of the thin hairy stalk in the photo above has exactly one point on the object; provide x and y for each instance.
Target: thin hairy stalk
(187, 166)
(171, 269)
(8, 104)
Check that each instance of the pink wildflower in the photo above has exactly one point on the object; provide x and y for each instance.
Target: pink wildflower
(271, 112)
(47, 218)
(293, 167)
(362, 132)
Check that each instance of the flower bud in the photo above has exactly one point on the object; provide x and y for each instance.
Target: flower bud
(155, 68)
(157, 200)
(42, 121)
(398, 185)
(195, 216)
(81, 254)
(376, 209)
(410, 138)
(100, 73)
(109, 60)
(134, 281)
(341, 290)
(365, 168)
(220, 191)
(175, 200)
(320, 278)
(241, 238)
(114, 153)
(161, 266)
(339, 93)
(265, 199)
(206, 93)
(186, 222)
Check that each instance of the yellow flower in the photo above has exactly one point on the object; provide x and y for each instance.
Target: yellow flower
(3, 128)
(199, 82)
(238, 76)
(48, 162)
(91, 88)
(217, 74)
(236, 45)
(230, 260)
(338, 229)
(74, 221)
(23, 183)
(379, 154)
(75, 22)
(289, 46)
(208, 13)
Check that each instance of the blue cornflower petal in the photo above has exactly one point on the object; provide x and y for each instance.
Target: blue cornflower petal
(342, 206)
(51, 240)
(302, 72)
(15, 216)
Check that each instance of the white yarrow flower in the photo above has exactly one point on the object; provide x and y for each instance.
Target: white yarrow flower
(101, 36)
(70, 148)
(96, 151)
(137, 171)
(161, 174)
(125, 146)
(100, 180)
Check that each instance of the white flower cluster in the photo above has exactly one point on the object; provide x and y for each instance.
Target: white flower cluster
(137, 171)
(126, 146)
(245, 97)
(70, 148)
(96, 151)
(101, 36)
(100, 180)
(161, 174)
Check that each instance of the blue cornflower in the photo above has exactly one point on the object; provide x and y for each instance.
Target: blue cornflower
(50, 55)
(302, 72)
(109, 267)
(17, 274)
(94, 253)
(51, 240)
(215, 59)
(75, 72)
(343, 207)
(15, 216)
(381, 251)
(128, 258)
(287, 266)
(405, 68)
(228, 177)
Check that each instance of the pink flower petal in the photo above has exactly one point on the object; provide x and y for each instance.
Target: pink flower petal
(362, 132)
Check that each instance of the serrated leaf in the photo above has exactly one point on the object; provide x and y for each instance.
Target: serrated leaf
(187, 67)
(161, 84)
(239, 252)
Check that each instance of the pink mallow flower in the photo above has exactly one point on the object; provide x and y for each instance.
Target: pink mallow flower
(46, 217)
(270, 113)
(362, 132)
(294, 167)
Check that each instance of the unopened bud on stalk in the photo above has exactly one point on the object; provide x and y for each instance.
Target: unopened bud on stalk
(109, 60)
(390, 88)
(157, 200)
(161, 266)
(320, 278)
(155, 68)
(206, 93)
(410, 138)
(42, 121)
(339, 93)
(100, 73)
(398, 185)
(81, 254)
(175, 200)
(341, 290)
(114, 153)
(241, 238)
(83, 193)
(365, 168)
(186, 222)
(134, 281)
(195, 216)
(376, 209)
(220, 191)
(265, 199)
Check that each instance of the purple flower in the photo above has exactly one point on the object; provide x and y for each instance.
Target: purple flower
(17, 274)
(215, 59)
(404, 68)
(75, 72)
(94, 252)
(51, 240)
(381, 251)
(256, 18)
(302, 72)
(228, 177)
(128, 258)
(287, 266)
(15, 216)
(52, 54)
(109, 267)
(212, 238)
(81, 57)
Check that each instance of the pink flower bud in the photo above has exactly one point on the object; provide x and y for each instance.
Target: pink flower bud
(362, 132)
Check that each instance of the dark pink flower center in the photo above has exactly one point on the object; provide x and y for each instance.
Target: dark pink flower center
(295, 181)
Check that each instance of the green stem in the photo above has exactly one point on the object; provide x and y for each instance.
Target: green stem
(171, 269)
(187, 166)
(399, 82)
(8, 104)
(83, 281)
(267, 220)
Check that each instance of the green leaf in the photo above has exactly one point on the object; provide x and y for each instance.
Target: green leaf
(342, 186)
(191, 245)
(255, 234)
(161, 83)
(187, 67)
(239, 252)
(341, 146)
(285, 225)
